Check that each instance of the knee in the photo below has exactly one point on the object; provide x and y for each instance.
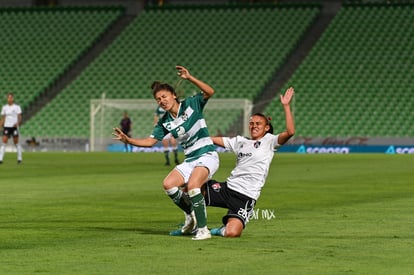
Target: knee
(234, 228)
(232, 233)
(166, 184)
(170, 183)
(174, 179)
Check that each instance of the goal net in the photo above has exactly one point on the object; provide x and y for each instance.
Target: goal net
(227, 117)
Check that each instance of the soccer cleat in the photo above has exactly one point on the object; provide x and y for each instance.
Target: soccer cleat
(189, 227)
(19, 161)
(179, 232)
(202, 234)
(218, 231)
(190, 223)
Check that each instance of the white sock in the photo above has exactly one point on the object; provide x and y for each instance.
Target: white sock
(19, 151)
(171, 191)
(223, 231)
(194, 192)
(2, 149)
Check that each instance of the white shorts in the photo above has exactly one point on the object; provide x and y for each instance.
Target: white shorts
(209, 160)
(168, 136)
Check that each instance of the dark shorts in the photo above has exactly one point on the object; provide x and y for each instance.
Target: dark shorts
(10, 132)
(219, 195)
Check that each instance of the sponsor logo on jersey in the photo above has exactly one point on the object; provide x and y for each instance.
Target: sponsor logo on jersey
(242, 155)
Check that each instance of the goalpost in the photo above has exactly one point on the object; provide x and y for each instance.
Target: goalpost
(227, 117)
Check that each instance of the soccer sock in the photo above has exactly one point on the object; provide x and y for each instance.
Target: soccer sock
(175, 151)
(222, 231)
(180, 199)
(167, 156)
(187, 201)
(2, 149)
(199, 206)
(19, 151)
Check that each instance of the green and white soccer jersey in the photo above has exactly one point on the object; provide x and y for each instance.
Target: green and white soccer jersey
(189, 128)
(160, 112)
(253, 161)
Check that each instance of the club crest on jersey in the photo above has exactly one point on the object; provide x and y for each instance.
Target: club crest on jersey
(184, 117)
(257, 144)
(216, 187)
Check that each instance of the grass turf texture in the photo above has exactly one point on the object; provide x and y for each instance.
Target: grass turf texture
(106, 213)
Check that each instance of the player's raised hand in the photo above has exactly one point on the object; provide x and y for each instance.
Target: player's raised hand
(182, 72)
(119, 135)
(287, 97)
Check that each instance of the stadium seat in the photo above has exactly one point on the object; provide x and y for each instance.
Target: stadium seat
(233, 49)
(40, 44)
(352, 75)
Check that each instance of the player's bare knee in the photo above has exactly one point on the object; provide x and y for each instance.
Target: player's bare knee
(232, 233)
(174, 179)
(167, 184)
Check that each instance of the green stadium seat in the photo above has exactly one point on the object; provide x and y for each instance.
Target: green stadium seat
(351, 75)
(232, 49)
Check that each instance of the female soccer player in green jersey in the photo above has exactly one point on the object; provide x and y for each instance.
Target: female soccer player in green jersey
(184, 120)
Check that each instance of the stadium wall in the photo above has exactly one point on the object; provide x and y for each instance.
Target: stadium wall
(320, 146)
(335, 145)
(300, 145)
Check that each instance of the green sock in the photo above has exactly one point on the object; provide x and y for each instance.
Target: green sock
(175, 151)
(199, 206)
(167, 156)
(181, 200)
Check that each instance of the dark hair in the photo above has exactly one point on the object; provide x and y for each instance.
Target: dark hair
(267, 119)
(157, 86)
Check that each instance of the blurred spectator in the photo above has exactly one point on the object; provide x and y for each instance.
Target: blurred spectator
(32, 142)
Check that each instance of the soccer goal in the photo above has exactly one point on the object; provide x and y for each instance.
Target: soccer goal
(227, 117)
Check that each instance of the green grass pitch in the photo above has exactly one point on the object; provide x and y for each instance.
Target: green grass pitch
(106, 213)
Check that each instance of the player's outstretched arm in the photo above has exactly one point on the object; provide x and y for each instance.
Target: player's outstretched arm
(218, 141)
(208, 91)
(286, 99)
(141, 142)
